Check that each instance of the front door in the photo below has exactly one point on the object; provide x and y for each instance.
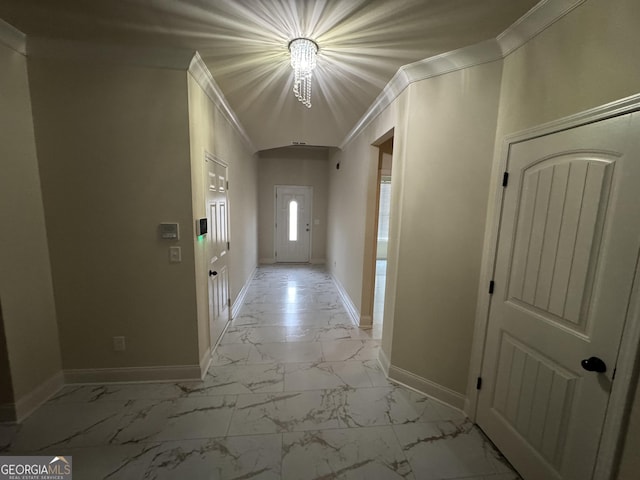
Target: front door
(218, 246)
(568, 245)
(293, 227)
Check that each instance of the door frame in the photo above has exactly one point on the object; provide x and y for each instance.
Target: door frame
(624, 386)
(275, 218)
(210, 157)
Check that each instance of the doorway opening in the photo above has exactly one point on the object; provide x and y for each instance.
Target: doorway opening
(382, 235)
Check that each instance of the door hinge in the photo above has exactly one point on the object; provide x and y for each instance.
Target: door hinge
(492, 285)
(227, 184)
(229, 301)
(479, 383)
(505, 179)
(228, 245)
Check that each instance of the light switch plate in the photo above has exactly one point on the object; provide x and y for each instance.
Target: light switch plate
(175, 254)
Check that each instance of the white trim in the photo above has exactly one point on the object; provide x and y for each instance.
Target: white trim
(536, 20)
(15, 40)
(349, 306)
(383, 361)
(239, 301)
(154, 57)
(205, 362)
(26, 405)
(318, 261)
(267, 261)
(366, 321)
(168, 373)
(426, 387)
(201, 74)
(630, 345)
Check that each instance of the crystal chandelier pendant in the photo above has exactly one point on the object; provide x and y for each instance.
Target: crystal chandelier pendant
(303, 60)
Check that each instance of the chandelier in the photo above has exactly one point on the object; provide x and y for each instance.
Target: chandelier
(303, 60)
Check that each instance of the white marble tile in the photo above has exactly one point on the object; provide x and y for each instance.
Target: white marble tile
(69, 425)
(198, 417)
(314, 376)
(232, 354)
(311, 333)
(345, 350)
(254, 335)
(288, 411)
(114, 462)
(449, 450)
(114, 393)
(355, 453)
(376, 375)
(364, 407)
(236, 379)
(245, 457)
(285, 352)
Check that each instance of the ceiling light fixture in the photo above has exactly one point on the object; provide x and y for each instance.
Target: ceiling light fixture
(303, 60)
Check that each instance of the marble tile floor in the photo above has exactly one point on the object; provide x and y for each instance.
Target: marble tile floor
(294, 392)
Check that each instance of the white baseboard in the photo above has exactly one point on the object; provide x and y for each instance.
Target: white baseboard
(426, 387)
(353, 312)
(26, 405)
(366, 321)
(317, 261)
(267, 261)
(239, 301)
(168, 373)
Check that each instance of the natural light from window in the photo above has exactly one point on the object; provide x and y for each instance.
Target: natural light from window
(293, 221)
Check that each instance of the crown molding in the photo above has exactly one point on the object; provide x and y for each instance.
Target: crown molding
(201, 74)
(540, 17)
(168, 58)
(13, 38)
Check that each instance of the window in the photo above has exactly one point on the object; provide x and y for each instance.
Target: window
(293, 221)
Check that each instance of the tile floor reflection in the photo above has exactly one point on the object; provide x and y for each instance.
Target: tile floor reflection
(294, 392)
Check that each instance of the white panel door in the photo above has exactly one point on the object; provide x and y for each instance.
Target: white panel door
(217, 246)
(568, 245)
(293, 223)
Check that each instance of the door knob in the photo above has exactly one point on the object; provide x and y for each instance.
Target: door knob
(212, 273)
(594, 364)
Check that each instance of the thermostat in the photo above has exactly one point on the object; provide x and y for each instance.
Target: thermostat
(169, 231)
(201, 226)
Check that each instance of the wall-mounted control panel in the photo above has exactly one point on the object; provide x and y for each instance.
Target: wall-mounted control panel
(170, 231)
(201, 226)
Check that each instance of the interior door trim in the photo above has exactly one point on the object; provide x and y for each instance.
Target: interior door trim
(624, 386)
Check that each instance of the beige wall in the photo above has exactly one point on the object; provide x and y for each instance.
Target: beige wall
(211, 132)
(587, 59)
(113, 149)
(292, 166)
(26, 290)
(7, 410)
(447, 164)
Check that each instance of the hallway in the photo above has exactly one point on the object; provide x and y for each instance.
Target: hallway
(294, 392)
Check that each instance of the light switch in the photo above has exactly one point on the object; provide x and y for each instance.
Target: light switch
(175, 254)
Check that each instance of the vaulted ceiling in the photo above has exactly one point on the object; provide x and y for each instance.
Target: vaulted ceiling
(244, 44)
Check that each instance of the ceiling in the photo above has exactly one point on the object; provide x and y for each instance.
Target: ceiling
(244, 44)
